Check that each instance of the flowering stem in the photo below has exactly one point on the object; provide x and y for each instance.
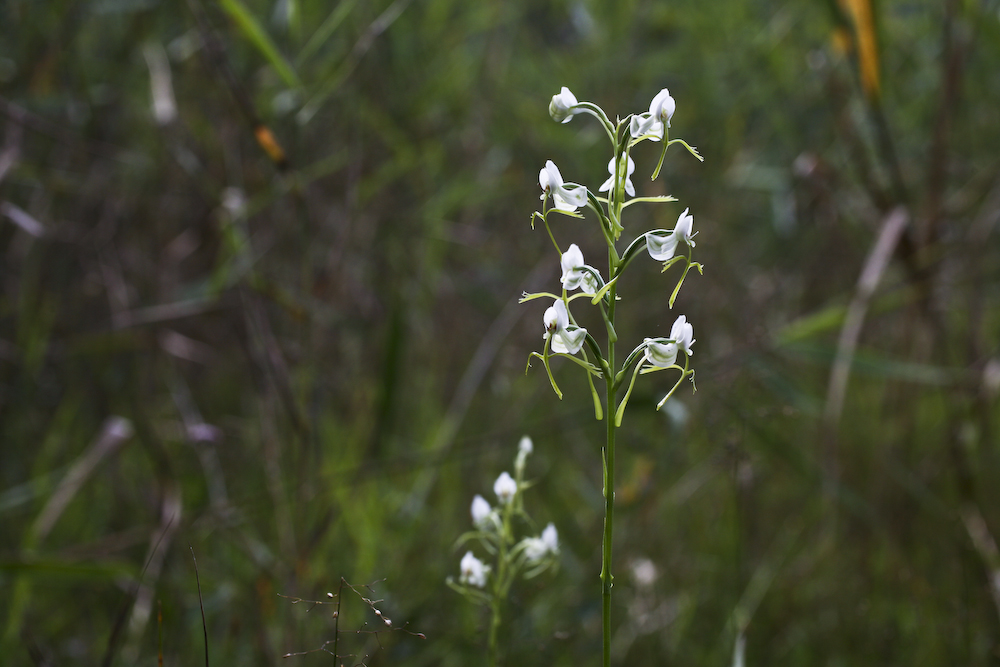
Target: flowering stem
(500, 585)
(609, 495)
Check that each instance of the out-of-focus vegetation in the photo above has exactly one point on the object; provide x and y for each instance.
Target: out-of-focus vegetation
(284, 241)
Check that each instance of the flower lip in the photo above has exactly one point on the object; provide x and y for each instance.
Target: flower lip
(659, 353)
(661, 245)
(568, 340)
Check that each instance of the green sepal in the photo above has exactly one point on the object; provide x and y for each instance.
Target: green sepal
(657, 199)
(691, 149)
(525, 297)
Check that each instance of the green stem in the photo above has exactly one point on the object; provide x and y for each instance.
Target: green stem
(499, 586)
(494, 628)
(609, 498)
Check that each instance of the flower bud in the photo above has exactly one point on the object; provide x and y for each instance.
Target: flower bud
(560, 108)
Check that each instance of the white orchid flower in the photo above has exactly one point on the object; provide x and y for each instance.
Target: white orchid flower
(661, 109)
(480, 510)
(473, 571)
(576, 274)
(556, 316)
(610, 183)
(505, 487)
(525, 446)
(683, 334)
(566, 338)
(662, 244)
(536, 548)
(661, 355)
(561, 106)
(565, 196)
(685, 221)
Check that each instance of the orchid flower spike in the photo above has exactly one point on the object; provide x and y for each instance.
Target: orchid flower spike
(565, 196)
(683, 334)
(610, 183)
(561, 106)
(577, 274)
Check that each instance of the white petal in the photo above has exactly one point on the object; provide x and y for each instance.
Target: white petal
(629, 188)
(551, 538)
(569, 340)
(682, 229)
(662, 355)
(480, 509)
(556, 316)
(555, 178)
(575, 196)
(683, 333)
(661, 246)
(662, 107)
(643, 124)
(571, 259)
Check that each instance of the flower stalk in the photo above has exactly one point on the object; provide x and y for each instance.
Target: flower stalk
(563, 337)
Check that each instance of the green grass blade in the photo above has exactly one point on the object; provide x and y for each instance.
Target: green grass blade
(253, 31)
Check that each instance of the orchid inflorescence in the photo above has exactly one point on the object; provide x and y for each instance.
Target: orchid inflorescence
(562, 335)
(495, 529)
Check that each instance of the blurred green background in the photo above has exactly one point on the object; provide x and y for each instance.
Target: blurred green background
(260, 262)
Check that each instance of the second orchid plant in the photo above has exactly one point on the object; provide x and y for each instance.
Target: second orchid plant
(583, 283)
(495, 529)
